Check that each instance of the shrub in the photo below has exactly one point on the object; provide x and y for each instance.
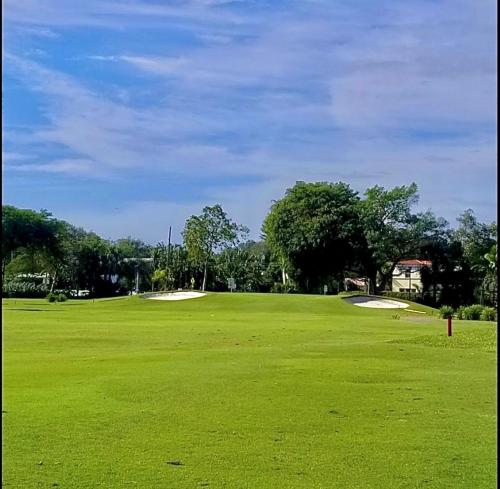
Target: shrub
(445, 312)
(51, 297)
(461, 312)
(66, 292)
(23, 290)
(473, 313)
(411, 296)
(279, 288)
(489, 314)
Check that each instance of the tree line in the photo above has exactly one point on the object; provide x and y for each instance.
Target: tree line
(316, 235)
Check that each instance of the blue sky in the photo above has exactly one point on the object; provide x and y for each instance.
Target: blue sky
(126, 117)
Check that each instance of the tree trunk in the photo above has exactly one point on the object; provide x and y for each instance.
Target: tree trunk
(373, 283)
(52, 285)
(341, 280)
(283, 276)
(204, 277)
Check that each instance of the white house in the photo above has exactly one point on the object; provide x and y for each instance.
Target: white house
(406, 275)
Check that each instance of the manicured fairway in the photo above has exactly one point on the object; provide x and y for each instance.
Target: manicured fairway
(245, 391)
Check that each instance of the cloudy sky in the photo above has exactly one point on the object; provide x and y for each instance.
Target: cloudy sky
(126, 117)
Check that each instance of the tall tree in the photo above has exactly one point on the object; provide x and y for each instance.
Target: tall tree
(436, 247)
(478, 241)
(387, 222)
(476, 238)
(209, 232)
(28, 230)
(173, 268)
(316, 229)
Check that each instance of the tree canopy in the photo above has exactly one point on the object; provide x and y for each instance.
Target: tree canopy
(316, 229)
(209, 232)
(317, 234)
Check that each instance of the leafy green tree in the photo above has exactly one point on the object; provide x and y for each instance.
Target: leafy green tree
(315, 231)
(90, 257)
(56, 261)
(491, 259)
(119, 260)
(463, 263)
(476, 238)
(173, 266)
(28, 231)
(478, 241)
(392, 231)
(490, 282)
(247, 264)
(207, 233)
(267, 269)
(132, 248)
(436, 249)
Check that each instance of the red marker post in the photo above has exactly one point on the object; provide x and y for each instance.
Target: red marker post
(449, 326)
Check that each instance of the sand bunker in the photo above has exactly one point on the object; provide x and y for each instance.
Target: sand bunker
(175, 296)
(375, 302)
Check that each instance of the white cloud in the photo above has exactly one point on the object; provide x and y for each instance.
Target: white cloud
(10, 157)
(111, 14)
(321, 91)
(71, 166)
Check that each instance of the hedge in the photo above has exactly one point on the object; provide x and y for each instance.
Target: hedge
(23, 290)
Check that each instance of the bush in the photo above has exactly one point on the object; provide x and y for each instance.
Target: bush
(23, 290)
(473, 313)
(410, 296)
(446, 312)
(461, 312)
(51, 297)
(279, 288)
(489, 314)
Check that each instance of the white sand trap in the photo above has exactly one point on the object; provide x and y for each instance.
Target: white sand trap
(375, 302)
(176, 296)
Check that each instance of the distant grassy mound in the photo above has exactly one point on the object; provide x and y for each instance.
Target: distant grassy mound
(244, 391)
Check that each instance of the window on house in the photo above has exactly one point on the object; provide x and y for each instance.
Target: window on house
(407, 274)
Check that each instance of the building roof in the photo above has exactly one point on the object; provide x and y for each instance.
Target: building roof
(415, 263)
(357, 281)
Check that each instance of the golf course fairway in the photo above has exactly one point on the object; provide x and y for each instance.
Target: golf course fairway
(245, 391)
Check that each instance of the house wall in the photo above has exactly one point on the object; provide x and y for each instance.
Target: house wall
(400, 281)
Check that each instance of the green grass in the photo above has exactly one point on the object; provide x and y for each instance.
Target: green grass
(245, 391)
(484, 339)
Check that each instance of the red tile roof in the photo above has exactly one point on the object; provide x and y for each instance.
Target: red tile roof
(415, 263)
(356, 281)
